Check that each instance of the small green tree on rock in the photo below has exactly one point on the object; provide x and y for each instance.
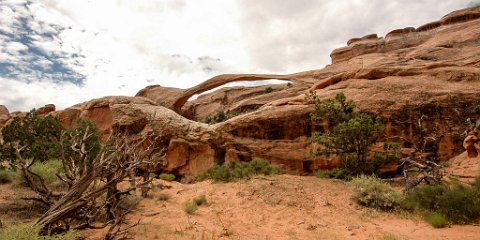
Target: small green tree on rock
(349, 136)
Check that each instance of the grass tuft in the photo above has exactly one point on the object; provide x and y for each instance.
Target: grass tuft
(190, 206)
(167, 176)
(437, 220)
(31, 232)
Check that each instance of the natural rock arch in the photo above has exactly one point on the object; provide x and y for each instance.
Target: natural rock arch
(175, 98)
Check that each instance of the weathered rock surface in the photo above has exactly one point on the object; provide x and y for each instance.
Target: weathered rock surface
(423, 82)
(4, 115)
(401, 38)
(191, 146)
(237, 99)
(424, 86)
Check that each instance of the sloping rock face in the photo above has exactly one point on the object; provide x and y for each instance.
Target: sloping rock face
(401, 38)
(191, 147)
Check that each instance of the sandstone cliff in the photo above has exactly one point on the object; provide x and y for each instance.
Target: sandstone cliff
(424, 83)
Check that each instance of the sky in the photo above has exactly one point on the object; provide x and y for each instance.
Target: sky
(70, 51)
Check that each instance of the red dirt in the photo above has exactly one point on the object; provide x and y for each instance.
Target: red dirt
(279, 207)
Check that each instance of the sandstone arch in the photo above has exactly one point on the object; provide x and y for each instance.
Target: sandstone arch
(175, 98)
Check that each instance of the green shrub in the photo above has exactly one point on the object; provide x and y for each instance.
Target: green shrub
(163, 197)
(423, 198)
(200, 200)
(222, 173)
(261, 166)
(231, 170)
(39, 135)
(30, 232)
(167, 176)
(6, 176)
(437, 220)
(270, 90)
(457, 203)
(373, 192)
(190, 206)
(336, 173)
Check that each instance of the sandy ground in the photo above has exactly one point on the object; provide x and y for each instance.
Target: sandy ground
(279, 207)
(273, 207)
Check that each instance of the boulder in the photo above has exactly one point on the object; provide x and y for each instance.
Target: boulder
(191, 146)
(46, 109)
(4, 115)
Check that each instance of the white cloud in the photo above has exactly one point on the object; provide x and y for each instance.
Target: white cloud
(118, 47)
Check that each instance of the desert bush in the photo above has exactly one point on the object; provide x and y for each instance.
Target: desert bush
(336, 173)
(163, 197)
(190, 206)
(231, 170)
(39, 137)
(270, 90)
(423, 198)
(437, 220)
(6, 176)
(261, 166)
(458, 203)
(219, 117)
(200, 199)
(167, 176)
(31, 232)
(349, 136)
(372, 192)
(218, 173)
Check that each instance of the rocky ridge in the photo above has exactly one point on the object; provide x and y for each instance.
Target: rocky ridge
(422, 81)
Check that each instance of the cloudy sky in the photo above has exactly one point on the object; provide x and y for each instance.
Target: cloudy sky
(69, 51)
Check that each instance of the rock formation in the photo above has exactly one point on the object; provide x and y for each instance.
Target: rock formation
(4, 115)
(46, 109)
(191, 147)
(424, 82)
(175, 99)
(402, 38)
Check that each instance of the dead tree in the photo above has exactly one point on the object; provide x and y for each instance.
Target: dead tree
(415, 173)
(92, 198)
